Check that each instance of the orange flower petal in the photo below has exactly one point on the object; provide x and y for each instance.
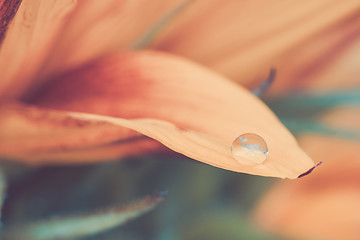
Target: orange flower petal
(28, 40)
(97, 28)
(317, 146)
(324, 205)
(183, 105)
(37, 135)
(244, 39)
(344, 117)
(327, 61)
(8, 10)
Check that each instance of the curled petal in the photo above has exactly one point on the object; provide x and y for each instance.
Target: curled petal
(184, 106)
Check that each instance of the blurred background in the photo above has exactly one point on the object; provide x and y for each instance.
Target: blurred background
(203, 202)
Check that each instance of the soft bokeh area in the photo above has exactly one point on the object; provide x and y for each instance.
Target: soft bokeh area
(203, 202)
(117, 119)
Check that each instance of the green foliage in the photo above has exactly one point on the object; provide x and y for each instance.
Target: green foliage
(200, 197)
(310, 105)
(300, 112)
(313, 126)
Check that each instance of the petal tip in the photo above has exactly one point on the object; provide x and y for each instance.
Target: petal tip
(310, 170)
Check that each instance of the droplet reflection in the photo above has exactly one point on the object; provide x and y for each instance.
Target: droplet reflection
(249, 149)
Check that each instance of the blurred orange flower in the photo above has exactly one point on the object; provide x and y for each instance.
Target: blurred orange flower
(186, 107)
(73, 56)
(86, 80)
(324, 205)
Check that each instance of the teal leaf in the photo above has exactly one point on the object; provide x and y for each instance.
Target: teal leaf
(311, 104)
(76, 226)
(298, 126)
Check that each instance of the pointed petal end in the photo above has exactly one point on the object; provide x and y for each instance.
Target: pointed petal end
(310, 170)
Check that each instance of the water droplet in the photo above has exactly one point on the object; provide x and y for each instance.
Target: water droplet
(249, 149)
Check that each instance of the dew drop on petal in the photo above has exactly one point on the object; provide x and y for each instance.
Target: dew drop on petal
(249, 149)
